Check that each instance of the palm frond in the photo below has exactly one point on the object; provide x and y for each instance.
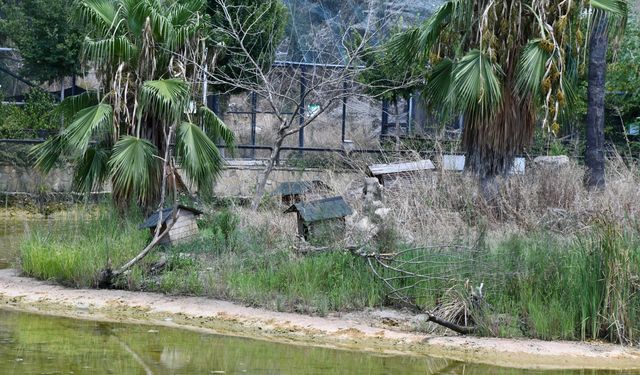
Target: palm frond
(531, 68)
(617, 8)
(98, 14)
(417, 42)
(198, 155)
(477, 87)
(181, 13)
(86, 123)
(440, 83)
(134, 169)
(48, 153)
(215, 128)
(613, 12)
(160, 25)
(166, 97)
(92, 171)
(135, 18)
(73, 104)
(110, 51)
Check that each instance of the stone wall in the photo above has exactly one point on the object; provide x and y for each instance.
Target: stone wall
(19, 179)
(234, 181)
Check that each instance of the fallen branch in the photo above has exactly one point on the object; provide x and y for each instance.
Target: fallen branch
(145, 251)
(463, 330)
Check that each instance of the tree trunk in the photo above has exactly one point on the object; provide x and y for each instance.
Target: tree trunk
(594, 152)
(264, 176)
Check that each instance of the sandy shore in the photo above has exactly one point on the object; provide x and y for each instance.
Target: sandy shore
(351, 331)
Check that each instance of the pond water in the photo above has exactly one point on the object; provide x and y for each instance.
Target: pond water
(11, 232)
(35, 344)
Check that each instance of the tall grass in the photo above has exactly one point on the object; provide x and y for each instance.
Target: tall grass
(74, 252)
(539, 284)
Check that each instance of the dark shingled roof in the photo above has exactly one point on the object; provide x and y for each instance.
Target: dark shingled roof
(298, 187)
(322, 209)
(152, 220)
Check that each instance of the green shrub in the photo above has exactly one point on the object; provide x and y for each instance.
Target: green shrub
(28, 121)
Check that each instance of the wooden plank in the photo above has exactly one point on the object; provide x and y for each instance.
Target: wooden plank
(184, 229)
(392, 168)
(182, 225)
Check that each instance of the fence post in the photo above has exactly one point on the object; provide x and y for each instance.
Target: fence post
(73, 85)
(303, 89)
(385, 118)
(410, 114)
(254, 109)
(344, 109)
(213, 103)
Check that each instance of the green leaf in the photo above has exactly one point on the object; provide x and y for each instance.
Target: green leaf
(612, 7)
(92, 170)
(531, 68)
(98, 14)
(135, 169)
(110, 51)
(440, 84)
(613, 12)
(166, 98)
(86, 123)
(417, 42)
(48, 153)
(477, 88)
(215, 128)
(198, 155)
(71, 105)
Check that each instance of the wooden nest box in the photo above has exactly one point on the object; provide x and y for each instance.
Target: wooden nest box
(294, 191)
(386, 172)
(184, 228)
(321, 221)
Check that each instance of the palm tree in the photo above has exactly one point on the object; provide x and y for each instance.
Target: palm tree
(505, 65)
(150, 57)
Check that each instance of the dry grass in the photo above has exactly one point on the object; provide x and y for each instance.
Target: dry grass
(442, 206)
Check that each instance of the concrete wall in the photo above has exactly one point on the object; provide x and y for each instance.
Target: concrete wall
(234, 181)
(241, 182)
(27, 180)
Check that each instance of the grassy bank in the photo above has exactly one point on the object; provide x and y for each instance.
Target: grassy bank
(534, 285)
(544, 259)
(225, 261)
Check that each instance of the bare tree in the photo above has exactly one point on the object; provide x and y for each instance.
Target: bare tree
(286, 87)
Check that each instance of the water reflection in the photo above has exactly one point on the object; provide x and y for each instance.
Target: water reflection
(32, 344)
(11, 232)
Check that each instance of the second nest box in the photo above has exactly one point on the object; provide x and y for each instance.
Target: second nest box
(322, 220)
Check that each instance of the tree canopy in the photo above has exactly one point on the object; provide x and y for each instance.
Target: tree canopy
(260, 24)
(45, 35)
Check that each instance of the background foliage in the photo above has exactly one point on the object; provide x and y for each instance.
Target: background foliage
(48, 40)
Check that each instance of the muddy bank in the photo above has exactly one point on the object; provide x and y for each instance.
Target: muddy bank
(352, 331)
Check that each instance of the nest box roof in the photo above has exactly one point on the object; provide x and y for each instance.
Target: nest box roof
(152, 220)
(322, 209)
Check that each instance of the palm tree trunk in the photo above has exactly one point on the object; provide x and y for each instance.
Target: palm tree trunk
(594, 152)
